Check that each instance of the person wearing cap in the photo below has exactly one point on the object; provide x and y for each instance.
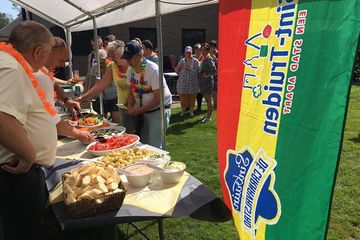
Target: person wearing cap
(197, 52)
(149, 51)
(187, 84)
(144, 97)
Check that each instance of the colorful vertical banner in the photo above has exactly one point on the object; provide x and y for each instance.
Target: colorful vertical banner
(284, 77)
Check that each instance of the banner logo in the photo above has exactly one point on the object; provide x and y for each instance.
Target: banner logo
(268, 53)
(250, 180)
(251, 80)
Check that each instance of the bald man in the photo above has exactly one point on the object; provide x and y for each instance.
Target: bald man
(27, 134)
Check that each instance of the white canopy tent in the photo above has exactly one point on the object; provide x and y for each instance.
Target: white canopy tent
(76, 15)
(80, 15)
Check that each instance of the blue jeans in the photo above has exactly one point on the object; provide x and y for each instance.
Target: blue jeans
(150, 132)
(22, 201)
(127, 121)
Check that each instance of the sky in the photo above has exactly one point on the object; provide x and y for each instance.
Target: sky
(6, 7)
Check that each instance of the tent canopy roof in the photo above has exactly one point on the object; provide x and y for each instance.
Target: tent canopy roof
(77, 15)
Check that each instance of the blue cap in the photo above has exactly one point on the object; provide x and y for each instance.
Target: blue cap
(131, 49)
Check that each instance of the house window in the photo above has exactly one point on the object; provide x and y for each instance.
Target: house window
(190, 37)
(144, 34)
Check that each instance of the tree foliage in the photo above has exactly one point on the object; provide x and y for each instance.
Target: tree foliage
(4, 19)
(16, 8)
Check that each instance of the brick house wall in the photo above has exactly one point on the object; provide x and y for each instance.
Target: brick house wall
(204, 17)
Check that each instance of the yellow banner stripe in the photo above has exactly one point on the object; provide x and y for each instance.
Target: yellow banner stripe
(257, 127)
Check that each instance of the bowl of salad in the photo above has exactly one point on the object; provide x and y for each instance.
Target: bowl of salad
(89, 120)
(108, 132)
(113, 143)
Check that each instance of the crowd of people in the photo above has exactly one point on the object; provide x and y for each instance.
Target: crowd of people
(132, 70)
(198, 78)
(30, 124)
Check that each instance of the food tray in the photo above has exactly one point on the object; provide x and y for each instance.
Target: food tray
(85, 208)
(160, 158)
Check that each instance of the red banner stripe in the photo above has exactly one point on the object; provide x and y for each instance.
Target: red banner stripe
(234, 17)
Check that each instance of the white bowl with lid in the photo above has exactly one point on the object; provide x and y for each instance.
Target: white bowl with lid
(174, 172)
(138, 175)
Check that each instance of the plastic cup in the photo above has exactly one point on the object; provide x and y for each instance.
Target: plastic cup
(76, 75)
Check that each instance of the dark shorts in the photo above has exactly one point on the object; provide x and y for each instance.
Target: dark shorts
(206, 86)
(22, 202)
(109, 105)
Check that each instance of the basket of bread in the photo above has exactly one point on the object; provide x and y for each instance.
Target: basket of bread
(92, 189)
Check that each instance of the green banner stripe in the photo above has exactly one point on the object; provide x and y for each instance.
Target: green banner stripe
(310, 135)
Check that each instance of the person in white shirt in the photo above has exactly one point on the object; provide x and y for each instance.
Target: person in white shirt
(58, 56)
(28, 136)
(144, 96)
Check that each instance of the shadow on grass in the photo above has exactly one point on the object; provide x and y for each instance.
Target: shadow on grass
(180, 123)
(175, 118)
(355, 139)
(178, 129)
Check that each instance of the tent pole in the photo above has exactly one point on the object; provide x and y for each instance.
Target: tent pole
(98, 73)
(69, 42)
(161, 71)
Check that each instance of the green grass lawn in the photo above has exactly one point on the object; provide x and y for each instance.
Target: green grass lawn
(194, 143)
(345, 212)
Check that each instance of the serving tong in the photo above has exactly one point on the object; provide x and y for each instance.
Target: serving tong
(149, 163)
(101, 139)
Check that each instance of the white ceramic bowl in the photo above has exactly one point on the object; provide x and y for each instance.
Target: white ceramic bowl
(140, 175)
(173, 175)
(103, 153)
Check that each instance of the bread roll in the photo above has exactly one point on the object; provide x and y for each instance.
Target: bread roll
(85, 181)
(98, 179)
(112, 186)
(70, 198)
(86, 196)
(117, 190)
(67, 189)
(109, 180)
(100, 200)
(101, 187)
(105, 174)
